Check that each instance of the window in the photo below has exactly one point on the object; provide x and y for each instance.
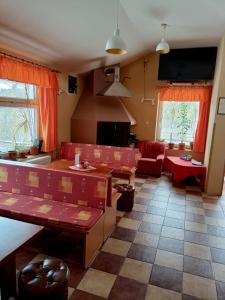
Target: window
(177, 121)
(18, 115)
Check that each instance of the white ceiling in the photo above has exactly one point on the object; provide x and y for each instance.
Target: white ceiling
(71, 34)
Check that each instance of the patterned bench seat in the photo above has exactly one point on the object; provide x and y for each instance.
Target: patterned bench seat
(66, 215)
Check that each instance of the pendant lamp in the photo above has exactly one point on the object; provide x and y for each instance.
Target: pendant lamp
(163, 47)
(115, 44)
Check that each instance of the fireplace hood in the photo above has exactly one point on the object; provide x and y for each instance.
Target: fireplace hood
(93, 108)
(115, 88)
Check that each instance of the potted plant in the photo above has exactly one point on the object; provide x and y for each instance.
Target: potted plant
(12, 155)
(183, 124)
(171, 144)
(24, 125)
(26, 120)
(172, 113)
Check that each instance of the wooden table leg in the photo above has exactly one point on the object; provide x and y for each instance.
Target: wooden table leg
(8, 278)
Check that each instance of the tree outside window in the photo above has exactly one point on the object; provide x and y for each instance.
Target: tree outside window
(177, 121)
(18, 115)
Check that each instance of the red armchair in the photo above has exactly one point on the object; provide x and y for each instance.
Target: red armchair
(152, 158)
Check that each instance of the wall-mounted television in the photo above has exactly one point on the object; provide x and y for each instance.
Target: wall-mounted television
(188, 65)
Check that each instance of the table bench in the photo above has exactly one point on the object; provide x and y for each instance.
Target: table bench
(59, 199)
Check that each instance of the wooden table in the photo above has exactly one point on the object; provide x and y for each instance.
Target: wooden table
(64, 164)
(13, 235)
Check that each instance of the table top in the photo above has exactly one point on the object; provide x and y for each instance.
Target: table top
(184, 163)
(64, 164)
(15, 234)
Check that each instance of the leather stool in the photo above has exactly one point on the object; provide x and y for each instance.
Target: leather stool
(44, 280)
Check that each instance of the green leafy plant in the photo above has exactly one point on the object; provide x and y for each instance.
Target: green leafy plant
(172, 113)
(183, 123)
(25, 118)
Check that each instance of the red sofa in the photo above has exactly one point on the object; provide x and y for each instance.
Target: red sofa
(58, 199)
(152, 156)
(122, 159)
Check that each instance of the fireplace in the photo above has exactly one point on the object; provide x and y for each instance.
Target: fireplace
(113, 133)
(100, 119)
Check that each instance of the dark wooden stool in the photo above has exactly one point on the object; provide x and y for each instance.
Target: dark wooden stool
(44, 280)
(126, 200)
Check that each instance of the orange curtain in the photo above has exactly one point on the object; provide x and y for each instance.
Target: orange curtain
(202, 126)
(23, 72)
(47, 83)
(197, 94)
(185, 93)
(48, 118)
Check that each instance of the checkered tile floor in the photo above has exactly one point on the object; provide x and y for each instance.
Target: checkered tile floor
(170, 247)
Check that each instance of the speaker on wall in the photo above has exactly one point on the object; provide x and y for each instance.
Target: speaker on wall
(72, 84)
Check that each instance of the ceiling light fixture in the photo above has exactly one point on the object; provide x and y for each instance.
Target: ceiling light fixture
(115, 44)
(163, 47)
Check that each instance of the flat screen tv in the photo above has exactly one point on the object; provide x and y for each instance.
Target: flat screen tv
(187, 65)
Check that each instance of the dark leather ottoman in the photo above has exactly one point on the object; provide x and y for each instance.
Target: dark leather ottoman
(126, 200)
(44, 280)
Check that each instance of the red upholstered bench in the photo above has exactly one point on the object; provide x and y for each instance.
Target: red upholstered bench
(58, 199)
(122, 159)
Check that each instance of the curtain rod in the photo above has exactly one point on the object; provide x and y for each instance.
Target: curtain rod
(185, 85)
(27, 61)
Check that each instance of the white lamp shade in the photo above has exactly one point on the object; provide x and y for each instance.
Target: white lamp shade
(163, 47)
(116, 45)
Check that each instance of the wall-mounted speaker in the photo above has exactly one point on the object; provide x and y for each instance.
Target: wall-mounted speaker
(72, 84)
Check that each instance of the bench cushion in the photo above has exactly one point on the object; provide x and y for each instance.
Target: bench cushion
(77, 217)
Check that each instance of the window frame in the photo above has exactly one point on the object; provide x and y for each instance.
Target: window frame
(22, 103)
(159, 122)
(18, 102)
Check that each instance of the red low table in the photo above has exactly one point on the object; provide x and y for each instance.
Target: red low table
(182, 169)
